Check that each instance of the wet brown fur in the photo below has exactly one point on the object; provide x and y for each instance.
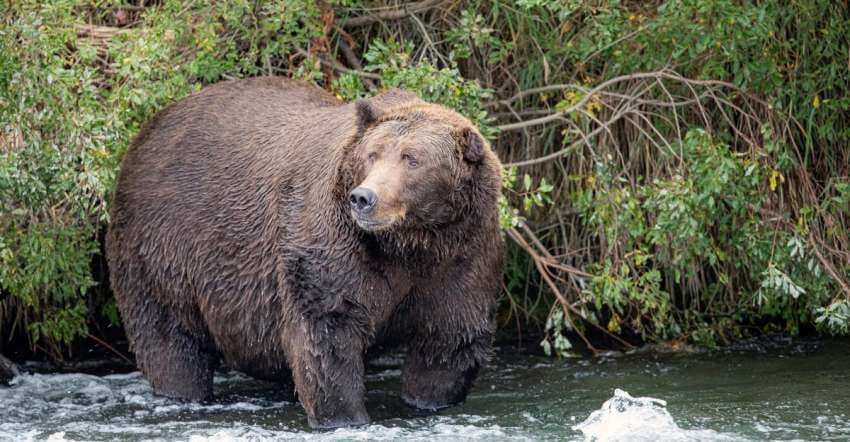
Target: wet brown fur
(8, 370)
(232, 237)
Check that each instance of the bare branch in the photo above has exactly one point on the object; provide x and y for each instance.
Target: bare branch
(101, 33)
(532, 91)
(580, 103)
(339, 67)
(541, 263)
(573, 146)
(815, 243)
(390, 14)
(354, 62)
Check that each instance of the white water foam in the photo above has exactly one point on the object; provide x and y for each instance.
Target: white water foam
(74, 407)
(627, 418)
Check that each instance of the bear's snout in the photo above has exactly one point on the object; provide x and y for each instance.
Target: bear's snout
(363, 200)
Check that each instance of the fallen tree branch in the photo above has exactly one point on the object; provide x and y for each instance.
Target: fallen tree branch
(815, 243)
(565, 305)
(541, 263)
(112, 349)
(101, 33)
(354, 62)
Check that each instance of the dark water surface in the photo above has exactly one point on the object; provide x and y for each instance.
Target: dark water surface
(777, 390)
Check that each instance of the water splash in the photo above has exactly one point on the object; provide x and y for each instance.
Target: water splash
(627, 418)
(75, 407)
(713, 397)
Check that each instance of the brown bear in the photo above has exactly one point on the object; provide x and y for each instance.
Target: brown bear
(266, 223)
(8, 370)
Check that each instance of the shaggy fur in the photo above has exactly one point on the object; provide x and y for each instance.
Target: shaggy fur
(232, 237)
(8, 370)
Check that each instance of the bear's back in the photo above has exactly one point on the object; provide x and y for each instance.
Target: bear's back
(201, 190)
(230, 114)
(223, 146)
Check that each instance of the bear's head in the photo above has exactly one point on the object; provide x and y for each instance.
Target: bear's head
(419, 167)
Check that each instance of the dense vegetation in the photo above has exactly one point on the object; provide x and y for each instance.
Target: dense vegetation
(677, 170)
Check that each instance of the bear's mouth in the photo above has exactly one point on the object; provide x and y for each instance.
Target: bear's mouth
(370, 225)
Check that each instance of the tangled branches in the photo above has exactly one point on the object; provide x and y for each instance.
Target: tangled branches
(631, 131)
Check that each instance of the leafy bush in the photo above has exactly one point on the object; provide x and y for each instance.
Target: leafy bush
(677, 169)
(700, 232)
(72, 96)
(698, 235)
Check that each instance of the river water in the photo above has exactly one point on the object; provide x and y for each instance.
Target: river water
(767, 390)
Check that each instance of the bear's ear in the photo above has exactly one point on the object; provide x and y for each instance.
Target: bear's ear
(370, 110)
(366, 114)
(472, 145)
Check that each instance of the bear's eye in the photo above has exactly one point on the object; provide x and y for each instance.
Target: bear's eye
(411, 162)
(372, 157)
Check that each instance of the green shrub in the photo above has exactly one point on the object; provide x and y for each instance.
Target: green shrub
(69, 106)
(708, 208)
(689, 248)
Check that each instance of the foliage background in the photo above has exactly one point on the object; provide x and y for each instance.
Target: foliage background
(677, 169)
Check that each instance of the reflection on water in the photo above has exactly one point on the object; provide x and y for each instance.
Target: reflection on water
(763, 390)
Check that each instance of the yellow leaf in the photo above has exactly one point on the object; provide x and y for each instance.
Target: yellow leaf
(614, 324)
(593, 106)
(802, 224)
(776, 178)
(816, 102)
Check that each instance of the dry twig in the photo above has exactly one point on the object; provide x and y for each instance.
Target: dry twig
(390, 14)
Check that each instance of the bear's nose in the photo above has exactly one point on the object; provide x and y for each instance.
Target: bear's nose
(363, 200)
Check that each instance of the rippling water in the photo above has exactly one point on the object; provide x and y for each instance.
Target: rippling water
(765, 391)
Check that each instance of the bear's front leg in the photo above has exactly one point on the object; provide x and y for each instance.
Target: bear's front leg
(453, 327)
(439, 369)
(326, 355)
